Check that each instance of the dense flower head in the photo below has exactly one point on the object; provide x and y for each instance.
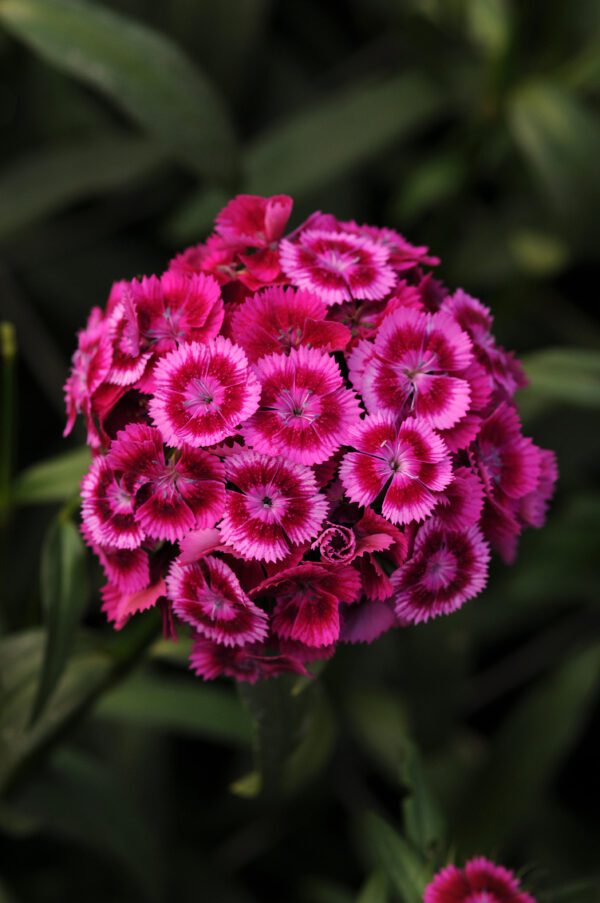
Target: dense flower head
(300, 438)
(479, 881)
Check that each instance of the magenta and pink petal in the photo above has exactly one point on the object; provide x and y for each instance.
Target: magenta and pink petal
(120, 605)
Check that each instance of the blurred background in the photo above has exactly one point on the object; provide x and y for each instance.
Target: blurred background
(469, 125)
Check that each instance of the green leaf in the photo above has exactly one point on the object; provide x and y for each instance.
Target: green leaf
(78, 799)
(46, 181)
(375, 890)
(422, 818)
(403, 867)
(64, 593)
(54, 480)
(195, 217)
(334, 136)
(561, 140)
(314, 750)
(89, 671)
(490, 24)
(140, 70)
(570, 375)
(526, 753)
(179, 706)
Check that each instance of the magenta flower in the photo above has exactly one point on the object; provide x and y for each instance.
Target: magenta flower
(173, 496)
(446, 568)
(208, 595)
(307, 601)
(278, 319)
(108, 508)
(306, 413)
(202, 393)
(479, 881)
(247, 663)
(415, 366)
(338, 266)
(237, 483)
(275, 504)
(409, 464)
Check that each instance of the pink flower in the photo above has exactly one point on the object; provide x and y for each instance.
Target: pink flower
(247, 663)
(253, 221)
(108, 508)
(409, 463)
(505, 459)
(445, 570)
(202, 393)
(305, 413)
(91, 365)
(278, 319)
(208, 595)
(338, 266)
(476, 320)
(275, 505)
(175, 308)
(415, 366)
(402, 255)
(119, 604)
(379, 543)
(461, 503)
(128, 570)
(366, 621)
(307, 601)
(172, 496)
(479, 881)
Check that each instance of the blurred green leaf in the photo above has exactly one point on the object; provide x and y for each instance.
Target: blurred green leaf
(375, 890)
(334, 136)
(78, 799)
(180, 706)
(64, 593)
(570, 375)
(539, 253)
(54, 480)
(422, 818)
(141, 70)
(490, 24)
(195, 217)
(531, 745)
(561, 140)
(403, 867)
(314, 750)
(47, 180)
(428, 184)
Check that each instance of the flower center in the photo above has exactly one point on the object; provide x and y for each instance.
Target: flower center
(203, 394)
(294, 405)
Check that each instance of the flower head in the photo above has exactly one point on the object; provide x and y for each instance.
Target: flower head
(408, 464)
(305, 413)
(274, 505)
(339, 266)
(479, 881)
(202, 393)
(445, 570)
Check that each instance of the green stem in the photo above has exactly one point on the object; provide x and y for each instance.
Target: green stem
(8, 352)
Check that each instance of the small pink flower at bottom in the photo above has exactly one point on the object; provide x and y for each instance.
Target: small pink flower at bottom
(247, 663)
(338, 266)
(410, 462)
(208, 595)
(445, 570)
(275, 505)
(479, 881)
(202, 393)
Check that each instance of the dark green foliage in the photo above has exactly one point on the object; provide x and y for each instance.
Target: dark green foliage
(470, 125)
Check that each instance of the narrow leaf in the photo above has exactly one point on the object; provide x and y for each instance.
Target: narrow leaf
(375, 890)
(179, 706)
(64, 597)
(542, 727)
(54, 480)
(334, 136)
(46, 181)
(142, 71)
(570, 375)
(402, 866)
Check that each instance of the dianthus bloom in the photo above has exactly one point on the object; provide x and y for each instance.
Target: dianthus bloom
(301, 438)
(479, 881)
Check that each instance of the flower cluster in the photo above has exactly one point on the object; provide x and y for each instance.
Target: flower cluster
(298, 439)
(479, 881)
